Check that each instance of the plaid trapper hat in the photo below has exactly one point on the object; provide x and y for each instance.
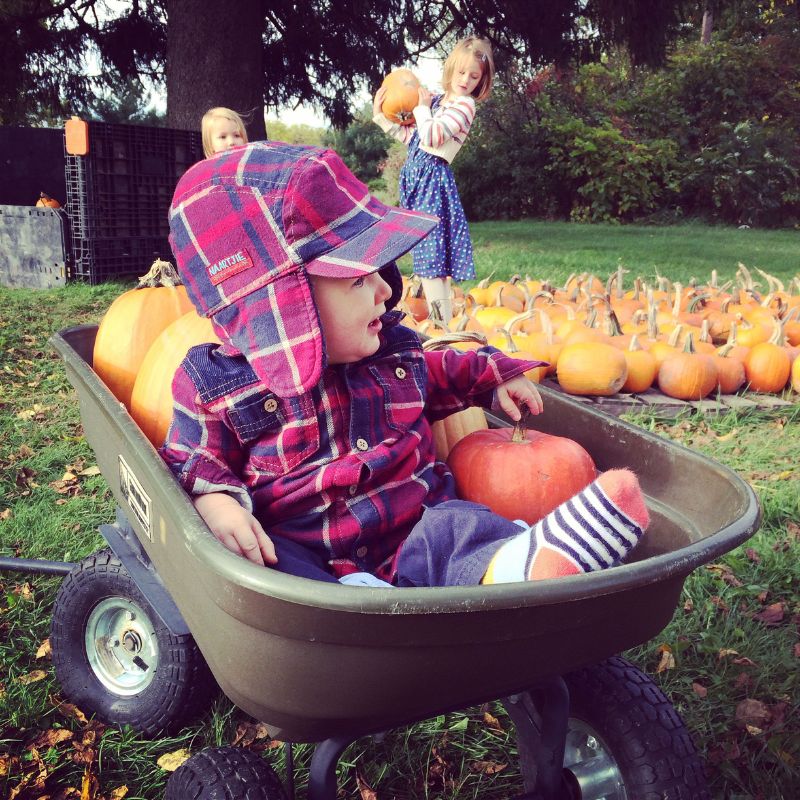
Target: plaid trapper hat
(247, 225)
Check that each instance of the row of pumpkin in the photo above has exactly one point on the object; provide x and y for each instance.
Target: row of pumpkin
(599, 339)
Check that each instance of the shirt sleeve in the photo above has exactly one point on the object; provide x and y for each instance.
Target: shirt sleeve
(402, 133)
(457, 380)
(451, 121)
(201, 450)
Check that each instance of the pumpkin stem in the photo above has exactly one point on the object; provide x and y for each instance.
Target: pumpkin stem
(161, 273)
(518, 434)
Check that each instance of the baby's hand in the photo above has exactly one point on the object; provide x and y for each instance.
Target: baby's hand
(377, 101)
(236, 527)
(425, 97)
(519, 391)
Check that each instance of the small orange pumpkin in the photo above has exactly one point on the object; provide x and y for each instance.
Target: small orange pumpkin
(131, 325)
(591, 368)
(688, 375)
(47, 202)
(518, 473)
(151, 397)
(402, 96)
(449, 431)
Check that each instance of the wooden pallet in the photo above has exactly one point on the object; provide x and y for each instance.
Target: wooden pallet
(654, 402)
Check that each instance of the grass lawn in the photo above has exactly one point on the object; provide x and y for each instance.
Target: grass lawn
(728, 660)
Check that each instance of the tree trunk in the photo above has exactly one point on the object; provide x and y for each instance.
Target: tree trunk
(215, 57)
(708, 26)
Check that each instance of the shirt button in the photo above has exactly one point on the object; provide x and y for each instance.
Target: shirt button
(352, 489)
(362, 551)
(400, 372)
(362, 444)
(270, 405)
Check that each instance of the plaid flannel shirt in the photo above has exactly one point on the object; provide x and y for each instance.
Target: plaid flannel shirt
(345, 469)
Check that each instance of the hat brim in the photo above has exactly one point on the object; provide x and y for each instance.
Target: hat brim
(390, 237)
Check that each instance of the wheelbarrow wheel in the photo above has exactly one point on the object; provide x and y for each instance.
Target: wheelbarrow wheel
(625, 740)
(224, 773)
(115, 657)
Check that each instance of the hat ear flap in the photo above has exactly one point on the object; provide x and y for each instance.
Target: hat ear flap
(391, 274)
(277, 329)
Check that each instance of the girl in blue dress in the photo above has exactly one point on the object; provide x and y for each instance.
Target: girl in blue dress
(440, 128)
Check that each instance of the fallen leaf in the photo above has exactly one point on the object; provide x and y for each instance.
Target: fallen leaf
(32, 677)
(753, 730)
(699, 690)
(169, 762)
(52, 737)
(752, 555)
(726, 436)
(69, 710)
(797, 651)
(249, 732)
(487, 767)
(667, 659)
(6, 761)
(744, 661)
(119, 793)
(89, 785)
(44, 650)
(5, 514)
(364, 789)
(492, 722)
(772, 615)
(751, 713)
(688, 606)
(95, 470)
(726, 651)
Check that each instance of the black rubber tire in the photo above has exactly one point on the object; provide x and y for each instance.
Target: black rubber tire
(640, 728)
(181, 685)
(225, 773)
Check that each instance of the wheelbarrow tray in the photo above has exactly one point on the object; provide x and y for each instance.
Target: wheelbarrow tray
(314, 660)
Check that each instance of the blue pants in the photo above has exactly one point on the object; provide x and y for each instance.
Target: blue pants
(451, 545)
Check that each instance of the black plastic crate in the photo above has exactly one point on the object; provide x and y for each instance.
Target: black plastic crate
(120, 192)
(98, 260)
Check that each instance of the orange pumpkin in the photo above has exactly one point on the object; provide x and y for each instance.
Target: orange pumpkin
(131, 325)
(151, 399)
(794, 377)
(518, 473)
(730, 370)
(449, 431)
(591, 368)
(47, 202)
(688, 375)
(402, 96)
(641, 367)
(768, 364)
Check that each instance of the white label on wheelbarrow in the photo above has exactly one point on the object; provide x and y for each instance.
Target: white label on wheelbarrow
(136, 496)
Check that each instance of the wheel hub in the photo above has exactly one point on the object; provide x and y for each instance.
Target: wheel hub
(592, 764)
(121, 646)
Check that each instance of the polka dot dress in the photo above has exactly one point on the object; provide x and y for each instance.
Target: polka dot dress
(427, 184)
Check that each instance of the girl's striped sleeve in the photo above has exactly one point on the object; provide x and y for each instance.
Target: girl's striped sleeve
(452, 122)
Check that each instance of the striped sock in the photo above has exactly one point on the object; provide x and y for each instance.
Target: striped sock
(591, 531)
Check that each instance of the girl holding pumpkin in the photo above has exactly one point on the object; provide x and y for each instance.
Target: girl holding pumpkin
(434, 136)
(312, 418)
(221, 129)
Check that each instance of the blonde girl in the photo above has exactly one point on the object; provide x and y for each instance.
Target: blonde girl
(441, 125)
(221, 128)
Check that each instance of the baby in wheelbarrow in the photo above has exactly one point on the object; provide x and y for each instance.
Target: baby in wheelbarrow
(304, 439)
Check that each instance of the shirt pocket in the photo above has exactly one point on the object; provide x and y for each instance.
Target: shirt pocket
(279, 434)
(403, 383)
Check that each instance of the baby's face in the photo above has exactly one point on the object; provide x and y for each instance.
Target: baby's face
(349, 312)
(225, 133)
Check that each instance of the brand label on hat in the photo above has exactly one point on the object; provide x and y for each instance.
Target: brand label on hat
(228, 266)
